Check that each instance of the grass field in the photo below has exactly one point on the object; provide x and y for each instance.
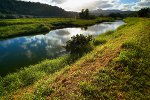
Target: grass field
(117, 68)
(19, 27)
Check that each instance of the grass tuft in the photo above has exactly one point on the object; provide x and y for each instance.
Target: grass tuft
(97, 42)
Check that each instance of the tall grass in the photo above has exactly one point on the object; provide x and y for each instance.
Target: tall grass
(28, 75)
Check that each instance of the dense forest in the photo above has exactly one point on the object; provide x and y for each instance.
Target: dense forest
(14, 8)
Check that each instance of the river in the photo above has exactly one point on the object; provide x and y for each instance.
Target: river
(27, 50)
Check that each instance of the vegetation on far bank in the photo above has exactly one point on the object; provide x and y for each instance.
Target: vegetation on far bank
(19, 27)
(116, 68)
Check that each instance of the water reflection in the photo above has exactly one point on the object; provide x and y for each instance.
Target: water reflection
(26, 50)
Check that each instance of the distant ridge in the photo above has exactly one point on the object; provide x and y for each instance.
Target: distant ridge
(107, 12)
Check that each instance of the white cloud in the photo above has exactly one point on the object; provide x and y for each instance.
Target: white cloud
(141, 4)
(77, 5)
(134, 6)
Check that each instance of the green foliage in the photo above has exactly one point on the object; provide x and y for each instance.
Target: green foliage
(133, 56)
(15, 8)
(29, 75)
(79, 44)
(1, 86)
(19, 27)
(144, 12)
(109, 32)
(84, 14)
(43, 91)
(9, 31)
(127, 59)
(117, 15)
(100, 87)
(99, 41)
(105, 80)
(136, 61)
(31, 96)
(88, 90)
(127, 76)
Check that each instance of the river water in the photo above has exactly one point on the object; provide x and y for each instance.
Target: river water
(27, 50)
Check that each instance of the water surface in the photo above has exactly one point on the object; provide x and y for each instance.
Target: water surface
(27, 50)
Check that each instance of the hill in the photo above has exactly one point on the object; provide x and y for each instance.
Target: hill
(16, 8)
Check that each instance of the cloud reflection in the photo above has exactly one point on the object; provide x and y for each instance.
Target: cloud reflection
(31, 49)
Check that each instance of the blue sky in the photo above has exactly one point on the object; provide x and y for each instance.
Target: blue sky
(128, 1)
(77, 5)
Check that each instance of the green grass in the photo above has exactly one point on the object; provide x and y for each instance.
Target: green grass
(125, 76)
(42, 91)
(30, 26)
(29, 75)
(128, 75)
(97, 42)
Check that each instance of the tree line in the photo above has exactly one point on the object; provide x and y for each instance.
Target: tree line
(144, 12)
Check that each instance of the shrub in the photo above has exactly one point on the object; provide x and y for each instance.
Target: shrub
(79, 44)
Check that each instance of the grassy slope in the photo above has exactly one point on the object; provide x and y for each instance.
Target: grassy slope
(16, 27)
(118, 69)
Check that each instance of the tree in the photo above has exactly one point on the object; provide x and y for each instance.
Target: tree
(84, 14)
(87, 13)
(81, 15)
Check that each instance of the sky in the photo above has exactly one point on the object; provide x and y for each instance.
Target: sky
(77, 5)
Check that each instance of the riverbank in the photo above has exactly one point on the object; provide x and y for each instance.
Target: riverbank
(22, 27)
(116, 69)
(29, 50)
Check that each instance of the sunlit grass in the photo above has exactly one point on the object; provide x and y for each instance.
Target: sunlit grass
(126, 75)
(16, 27)
(28, 75)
